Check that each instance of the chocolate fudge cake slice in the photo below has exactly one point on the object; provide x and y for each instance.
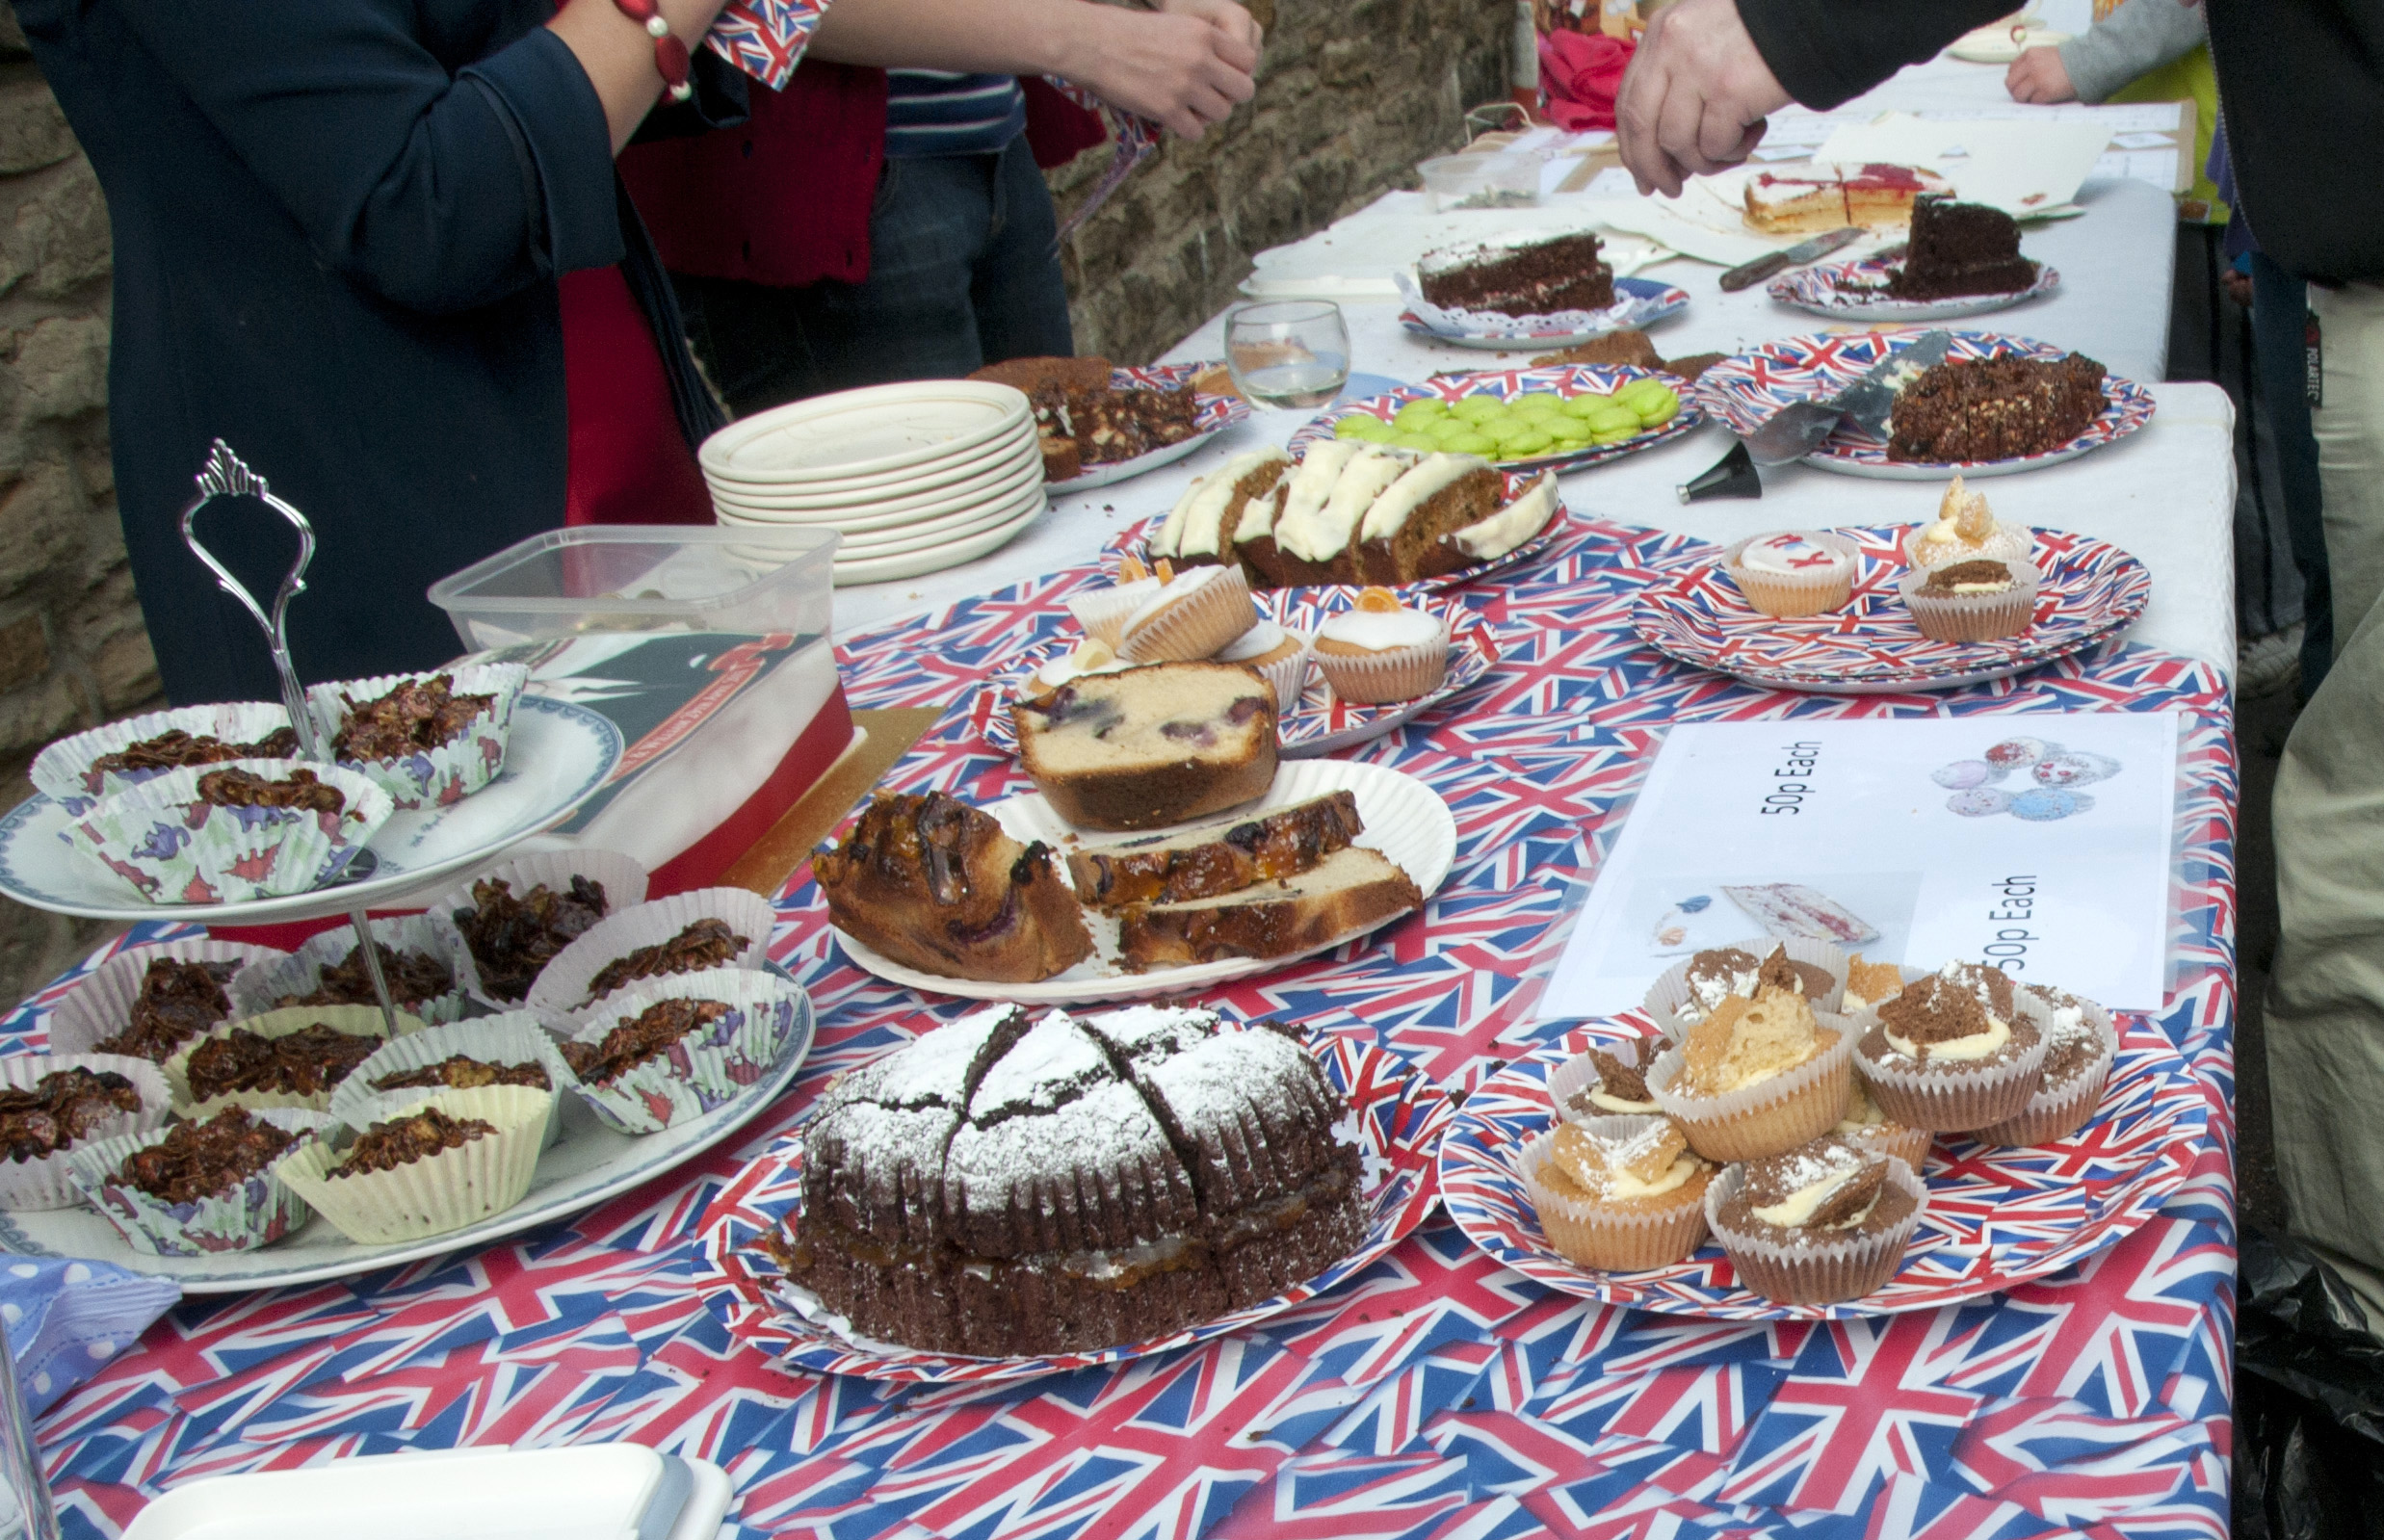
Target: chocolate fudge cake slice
(1960, 249)
(2005, 407)
(1530, 278)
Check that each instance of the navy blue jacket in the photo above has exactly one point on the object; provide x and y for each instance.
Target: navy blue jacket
(338, 225)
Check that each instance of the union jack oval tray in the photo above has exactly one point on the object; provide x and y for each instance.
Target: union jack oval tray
(1995, 1216)
(1214, 414)
(1858, 291)
(1561, 380)
(2090, 589)
(1744, 391)
(1402, 1114)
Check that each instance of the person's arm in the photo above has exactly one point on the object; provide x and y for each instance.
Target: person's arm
(1827, 52)
(2141, 35)
(1186, 65)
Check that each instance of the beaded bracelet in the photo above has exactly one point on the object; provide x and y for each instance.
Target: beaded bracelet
(670, 54)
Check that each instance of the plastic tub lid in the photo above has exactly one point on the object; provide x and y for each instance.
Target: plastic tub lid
(654, 571)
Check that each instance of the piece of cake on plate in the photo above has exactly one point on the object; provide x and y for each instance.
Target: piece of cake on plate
(1960, 249)
(1806, 200)
(1522, 275)
(1150, 747)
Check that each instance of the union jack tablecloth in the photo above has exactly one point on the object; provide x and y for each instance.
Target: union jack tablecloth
(1437, 1395)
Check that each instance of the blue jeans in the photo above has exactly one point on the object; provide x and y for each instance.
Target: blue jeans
(962, 273)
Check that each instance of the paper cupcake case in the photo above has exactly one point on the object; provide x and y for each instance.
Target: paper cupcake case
(44, 1183)
(255, 987)
(1577, 1073)
(1196, 624)
(439, 1192)
(100, 1006)
(2056, 1113)
(1669, 992)
(431, 777)
(63, 770)
(1769, 1117)
(701, 1071)
(623, 879)
(1598, 1236)
(1824, 1272)
(1392, 674)
(1909, 1145)
(360, 1021)
(255, 1211)
(561, 988)
(1288, 676)
(1959, 1101)
(1790, 594)
(167, 846)
(1970, 616)
(515, 1037)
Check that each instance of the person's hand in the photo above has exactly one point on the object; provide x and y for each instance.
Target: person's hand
(2038, 75)
(1182, 67)
(1225, 15)
(1694, 97)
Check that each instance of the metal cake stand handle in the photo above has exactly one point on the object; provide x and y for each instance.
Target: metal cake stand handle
(227, 475)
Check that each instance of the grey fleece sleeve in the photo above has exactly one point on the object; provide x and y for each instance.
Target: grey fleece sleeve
(2141, 34)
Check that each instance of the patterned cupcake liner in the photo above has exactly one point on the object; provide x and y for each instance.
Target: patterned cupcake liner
(1668, 996)
(1956, 1100)
(165, 845)
(64, 770)
(47, 1182)
(1769, 1117)
(623, 879)
(358, 1021)
(562, 987)
(1824, 1272)
(255, 987)
(1788, 594)
(1196, 624)
(255, 1211)
(439, 1192)
(1392, 674)
(1594, 1235)
(700, 1071)
(514, 1037)
(1579, 1073)
(2057, 1112)
(1970, 616)
(100, 1006)
(431, 777)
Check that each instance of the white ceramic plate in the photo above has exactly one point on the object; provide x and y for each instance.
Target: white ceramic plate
(925, 536)
(589, 1165)
(558, 756)
(1121, 470)
(939, 556)
(1405, 820)
(992, 462)
(883, 521)
(866, 432)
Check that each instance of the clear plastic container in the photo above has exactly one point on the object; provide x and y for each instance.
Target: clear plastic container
(644, 577)
(1496, 180)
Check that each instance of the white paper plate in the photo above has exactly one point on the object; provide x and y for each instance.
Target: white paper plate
(883, 521)
(1405, 820)
(938, 557)
(865, 431)
(558, 756)
(984, 465)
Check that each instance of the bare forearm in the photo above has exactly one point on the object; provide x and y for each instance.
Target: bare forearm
(618, 54)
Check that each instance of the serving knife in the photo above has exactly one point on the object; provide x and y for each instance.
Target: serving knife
(1748, 274)
(1799, 428)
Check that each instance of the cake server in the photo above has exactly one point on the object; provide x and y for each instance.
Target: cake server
(1796, 429)
(1747, 275)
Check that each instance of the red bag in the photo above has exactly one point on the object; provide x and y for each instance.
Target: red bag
(1581, 74)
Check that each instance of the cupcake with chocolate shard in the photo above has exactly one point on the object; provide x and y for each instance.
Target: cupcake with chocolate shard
(1959, 1050)
(1865, 1125)
(1757, 1077)
(1619, 1194)
(2080, 1045)
(1824, 1222)
(1690, 991)
(1606, 1081)
(1975, 599)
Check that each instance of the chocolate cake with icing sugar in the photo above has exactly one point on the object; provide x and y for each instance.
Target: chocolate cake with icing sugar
(1005, 1187)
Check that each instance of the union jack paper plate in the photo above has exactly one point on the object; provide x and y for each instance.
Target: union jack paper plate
(1638, 302)
(1564, 379)
(1402, 1116)
(1322, 722)
(2090, 589)
(1216, 414)
(1857, 291)
(1995, 1216)
(1744, 391)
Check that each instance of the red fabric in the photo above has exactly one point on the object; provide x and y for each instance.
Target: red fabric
(1058, 130)
(629, 461)
(815, 749)
(1581, 73)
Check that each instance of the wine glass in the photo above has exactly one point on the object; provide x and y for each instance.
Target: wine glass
(1288, 352)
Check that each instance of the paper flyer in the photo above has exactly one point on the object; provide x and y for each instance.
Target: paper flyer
(2037, 843)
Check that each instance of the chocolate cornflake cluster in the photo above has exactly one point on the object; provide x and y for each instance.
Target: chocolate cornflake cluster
(299, 789)
(417, 714)
(415, 1136)
(307, 1062)
(61, 1107)
(178, 749)
(512, 938)
(705, 943)
(414, 977)
(178, 1001)
(462, 1072)
(632, 1042)
(198, 1160)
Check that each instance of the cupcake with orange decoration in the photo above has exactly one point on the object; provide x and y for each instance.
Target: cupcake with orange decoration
(1380, 651)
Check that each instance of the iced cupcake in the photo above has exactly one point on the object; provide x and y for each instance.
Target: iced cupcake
(1192, 614)
(1865, 1125)
(1824, 1222)
(1606, 1081)
(1757, 1077)
(1795, 572)
(200, 1188)
(1380, 650)
(1103, 612)
(1687, 992)
(451, 1160)
(428, 740)
(1977, 600)
(1617, 1195)
(249, 829)
(2080, 1045)
(1960, 1049)
(1279, 656)
(1966, 531)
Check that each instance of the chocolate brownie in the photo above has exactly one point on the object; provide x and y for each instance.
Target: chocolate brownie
(175, 749)
(460, 1072)
(61, 1107)
(2004, 408)
(178, 1001)
(197, 1159)
(648, 1035)
(1536, 278)
(705, 943)
(415, 1136)
(1960, 249)
(413, 976)
(307, 1062)
(299, 789)
(512, 938)
(417, 714)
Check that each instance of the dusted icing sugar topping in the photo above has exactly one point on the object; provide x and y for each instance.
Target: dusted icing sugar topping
(1792, 553)
(1153, 1031)
(1045, 1069)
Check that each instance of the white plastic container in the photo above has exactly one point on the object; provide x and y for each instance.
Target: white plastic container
(644, 577)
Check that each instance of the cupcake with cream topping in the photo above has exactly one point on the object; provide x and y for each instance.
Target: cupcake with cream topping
(1966, 531)
(1823, 1222)
(1619, 1194)
(1380, 651)
(1976, 599)
(1757, 1076)
(2080, 1045)
(1958, 1049)
(1794, 572)
(1279, 656)
(1190, 615)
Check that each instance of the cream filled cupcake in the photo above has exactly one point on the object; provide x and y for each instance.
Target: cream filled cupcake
(1864, 1123)
(1190, 615)
(1795, 572)
(1380, 651)
(1280, 658)
(1966, 531)
(2080, 1045)
(1609, 1080)
(1687, 992)
(1960, 1049)
(1619, 1194)
(1757, 1077)
(1972, 600)
(1824, 1222)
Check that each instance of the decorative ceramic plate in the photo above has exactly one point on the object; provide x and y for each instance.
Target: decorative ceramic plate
(1405, 820)
(1322, 722)
(1744, 392)
(587, 1165)
(1215, 415)
(1402, 1114)
(558, 756)
(1857, 291)
(1638, 302)
(2089, 589)
(1995, 1216)
(1564, 379)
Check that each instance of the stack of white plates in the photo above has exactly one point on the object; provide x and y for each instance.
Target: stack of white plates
(916, 477)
